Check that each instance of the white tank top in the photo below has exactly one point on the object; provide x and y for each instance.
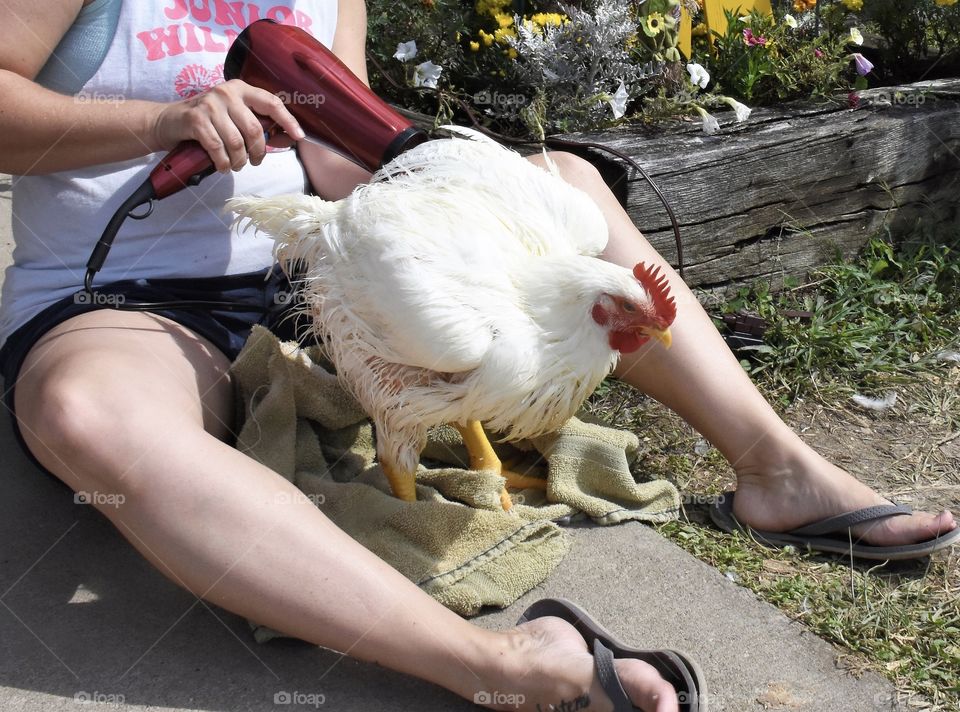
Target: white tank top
(162, 51)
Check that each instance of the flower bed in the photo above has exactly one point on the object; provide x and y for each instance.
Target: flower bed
(539, 66)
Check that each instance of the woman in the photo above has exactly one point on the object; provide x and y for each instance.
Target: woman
(157, 382)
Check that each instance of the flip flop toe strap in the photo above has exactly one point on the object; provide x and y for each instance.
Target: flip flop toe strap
(609, 680)
(842, 522)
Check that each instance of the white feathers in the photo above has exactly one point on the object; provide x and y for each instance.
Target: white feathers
(457, 285)
(879, 404)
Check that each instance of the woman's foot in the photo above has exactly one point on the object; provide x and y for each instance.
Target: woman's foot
(805, 488)
(545, 665)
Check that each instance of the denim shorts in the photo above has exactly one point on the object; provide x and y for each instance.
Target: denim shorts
(267, 292)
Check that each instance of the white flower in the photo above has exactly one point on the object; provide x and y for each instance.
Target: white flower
(745, 19)
(790, 21)
(855, 36)
(618, 102)
(743, 111)
(698, 75)
(427, 74)
(406, 50)
(710, 123)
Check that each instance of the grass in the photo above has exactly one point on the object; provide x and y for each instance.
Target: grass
(880, 322)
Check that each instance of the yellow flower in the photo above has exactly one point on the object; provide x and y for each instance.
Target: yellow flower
(474, 46)
(700, 30)
(804, 5)
(546, 19)
(486, 38)
(492, 7)
(510, 52)
(653, 24)
(502, 33)
(855, 5)
(503, 19)
(945, 3)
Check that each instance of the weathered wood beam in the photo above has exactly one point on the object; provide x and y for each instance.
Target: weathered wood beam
(795, 186)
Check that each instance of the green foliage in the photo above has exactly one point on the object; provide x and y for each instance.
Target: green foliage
(766, 61)
(912, 30)
(890, 312)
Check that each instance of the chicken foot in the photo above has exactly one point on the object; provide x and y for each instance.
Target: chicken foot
(402, 484)
(483, 458)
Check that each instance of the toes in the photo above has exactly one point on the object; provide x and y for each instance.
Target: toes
(646, 689)
(942, 523)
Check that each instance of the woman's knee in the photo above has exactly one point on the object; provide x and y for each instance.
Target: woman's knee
(68, 420)
(98, 410)
(573, 169)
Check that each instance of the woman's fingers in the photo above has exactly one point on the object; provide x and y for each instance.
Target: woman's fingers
(233, 141)
(224, 120)
(266, 104)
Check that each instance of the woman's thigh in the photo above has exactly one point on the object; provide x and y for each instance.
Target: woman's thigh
(99, 390)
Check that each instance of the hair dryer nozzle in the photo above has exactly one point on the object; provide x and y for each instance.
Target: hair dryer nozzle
(332, 105)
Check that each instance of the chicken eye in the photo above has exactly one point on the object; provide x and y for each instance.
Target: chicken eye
(628, 307)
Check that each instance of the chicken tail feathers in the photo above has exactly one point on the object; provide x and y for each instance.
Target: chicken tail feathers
(286, 218)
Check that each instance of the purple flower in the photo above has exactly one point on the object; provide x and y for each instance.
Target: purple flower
(864, 65)
(752, 40)
(818, 53)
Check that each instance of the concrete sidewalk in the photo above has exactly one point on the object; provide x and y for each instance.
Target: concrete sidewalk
(83, 616)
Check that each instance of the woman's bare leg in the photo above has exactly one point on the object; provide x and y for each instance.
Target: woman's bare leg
(131, 404)
(781, 482)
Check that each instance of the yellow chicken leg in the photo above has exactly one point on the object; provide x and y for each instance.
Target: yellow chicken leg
(482, 457)
(403, 484)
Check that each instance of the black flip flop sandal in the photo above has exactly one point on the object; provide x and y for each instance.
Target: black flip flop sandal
(832, 535)
(677, 668)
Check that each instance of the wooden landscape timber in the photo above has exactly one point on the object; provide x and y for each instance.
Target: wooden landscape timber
(794, 186)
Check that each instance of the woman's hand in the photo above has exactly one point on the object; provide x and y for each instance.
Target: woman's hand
(223, 120)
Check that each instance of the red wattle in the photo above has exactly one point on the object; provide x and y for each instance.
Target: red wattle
(627, 341)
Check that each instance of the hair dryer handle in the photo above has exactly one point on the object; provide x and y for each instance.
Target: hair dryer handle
(189, 163)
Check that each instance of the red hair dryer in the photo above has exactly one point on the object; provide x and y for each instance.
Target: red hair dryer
(331, 104)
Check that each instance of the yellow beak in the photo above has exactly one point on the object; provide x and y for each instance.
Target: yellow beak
(664, 337)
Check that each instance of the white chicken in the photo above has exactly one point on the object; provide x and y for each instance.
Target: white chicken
(462, 286)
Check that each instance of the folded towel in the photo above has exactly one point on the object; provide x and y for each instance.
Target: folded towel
(455, 541)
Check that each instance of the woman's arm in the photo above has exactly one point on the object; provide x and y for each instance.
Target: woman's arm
(332, 175)
(42, 131)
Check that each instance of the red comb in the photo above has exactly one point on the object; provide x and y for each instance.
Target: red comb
(659, 290)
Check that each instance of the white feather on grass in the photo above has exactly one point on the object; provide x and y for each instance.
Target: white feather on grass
(868, 403)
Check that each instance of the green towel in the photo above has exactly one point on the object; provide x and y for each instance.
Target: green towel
(455, 541)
